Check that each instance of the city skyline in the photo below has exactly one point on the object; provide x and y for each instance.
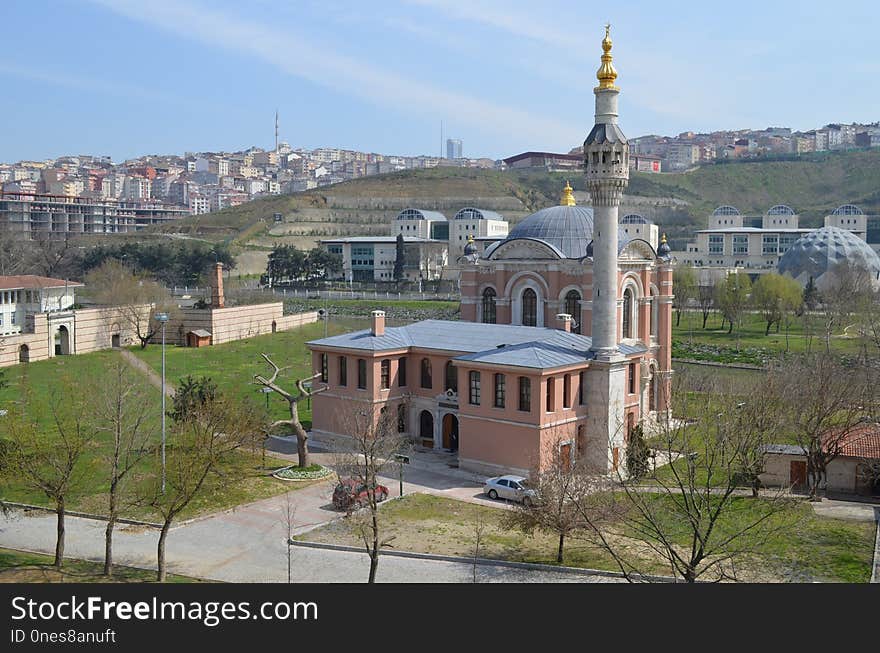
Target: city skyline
(191, 76)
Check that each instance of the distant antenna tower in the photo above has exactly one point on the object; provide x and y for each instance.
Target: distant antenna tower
(276, 130)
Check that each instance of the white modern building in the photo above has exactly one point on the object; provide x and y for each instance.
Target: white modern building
(756, 243)
(25, 294)
(372, 258)
(474, 223)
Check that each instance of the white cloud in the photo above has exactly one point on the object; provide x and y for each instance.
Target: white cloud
(296, 55)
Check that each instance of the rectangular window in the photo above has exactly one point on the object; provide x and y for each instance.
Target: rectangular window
(362, 374)
(525, 394)
(740, 244)
(401, 372)
(716, 244)
(770, 244)
(385, 374)
(566, 391)
(324, 376)
(582, 377)
(475, 388)
(499, 391)
(632, 378)
(343, 370)
(551, 395)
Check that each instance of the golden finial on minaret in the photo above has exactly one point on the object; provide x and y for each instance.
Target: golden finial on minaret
(567, 198)
(606, 73)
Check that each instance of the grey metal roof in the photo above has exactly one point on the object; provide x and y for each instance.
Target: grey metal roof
(419, 214)
(503, 344)
(605, 133)
(788, 449)
(567, 228)
(471, 213)
(201, 333)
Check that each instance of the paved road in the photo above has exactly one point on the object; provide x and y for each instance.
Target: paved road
(247, 544)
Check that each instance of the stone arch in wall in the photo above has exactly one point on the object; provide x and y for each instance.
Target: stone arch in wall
(24, 354)
(571, 305)
(655, 311)
(426, 428)
(520, 299)
(629, 298)
(488, 305)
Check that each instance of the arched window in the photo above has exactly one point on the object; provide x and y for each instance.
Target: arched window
(451, 377)
(655, 311)
(627, 313)
(488, 316)
(529, 308)
(573, 308)
(426, 373)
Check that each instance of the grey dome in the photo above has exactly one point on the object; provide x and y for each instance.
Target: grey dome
(820, 252)
(567, 228)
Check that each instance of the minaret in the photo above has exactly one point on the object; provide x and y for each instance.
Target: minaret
(606, 161)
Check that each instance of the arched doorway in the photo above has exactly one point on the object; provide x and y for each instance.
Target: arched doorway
(450, 432)
(115, 341)
(274, 326)
(24, 354)
(426, 428)
(62, 341)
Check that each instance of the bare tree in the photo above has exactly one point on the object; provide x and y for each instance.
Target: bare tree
(369, 448)
(824, 402)
(706, 300)
(552, 510)
(49, 462)
(52, 254)
(122, 411)
(199, 446)
(292, 399)
(289, 520)
(15, 253)
(479, 529)
(690, 514)
(138, 298)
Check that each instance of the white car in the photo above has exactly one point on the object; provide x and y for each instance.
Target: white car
(510, 487)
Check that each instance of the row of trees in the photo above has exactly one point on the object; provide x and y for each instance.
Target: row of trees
(179, 263)
(848, 298)
(287, 263)
(110, 438)
(693, 514)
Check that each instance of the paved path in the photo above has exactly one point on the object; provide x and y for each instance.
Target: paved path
(146, 370)
(249, 546)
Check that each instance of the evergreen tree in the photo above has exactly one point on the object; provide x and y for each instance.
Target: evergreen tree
(398, 261)
(811, 295)
(637, 454)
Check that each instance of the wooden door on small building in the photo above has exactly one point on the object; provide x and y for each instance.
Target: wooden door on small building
(797, 476)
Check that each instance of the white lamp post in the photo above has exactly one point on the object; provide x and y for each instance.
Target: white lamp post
(163, 319)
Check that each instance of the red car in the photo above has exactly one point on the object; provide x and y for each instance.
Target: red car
(351, 494)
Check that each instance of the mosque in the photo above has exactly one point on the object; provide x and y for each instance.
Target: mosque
(564, 343)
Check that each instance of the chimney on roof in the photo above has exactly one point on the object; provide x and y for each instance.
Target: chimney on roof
(564, 320)
(378, 323)
(217, 299)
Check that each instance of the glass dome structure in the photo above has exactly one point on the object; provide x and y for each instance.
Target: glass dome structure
(819, 253)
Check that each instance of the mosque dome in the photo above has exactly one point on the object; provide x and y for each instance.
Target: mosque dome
(470, 249)
(819, 252)
(567, 228)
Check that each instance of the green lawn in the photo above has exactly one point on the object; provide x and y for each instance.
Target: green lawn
(232, 365)
(23, 567)
(45, 381)
(810, 548)
(713, 343)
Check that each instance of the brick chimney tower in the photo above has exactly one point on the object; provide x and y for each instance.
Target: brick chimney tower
(217, 299)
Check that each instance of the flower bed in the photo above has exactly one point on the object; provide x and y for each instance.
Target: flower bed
(295, 473)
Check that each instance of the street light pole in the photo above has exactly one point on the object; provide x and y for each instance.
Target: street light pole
(163, 318)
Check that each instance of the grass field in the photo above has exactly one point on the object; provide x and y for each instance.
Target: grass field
(24, 567)
(748, 344)
(232, 365)
(814, 548)
(45, 380)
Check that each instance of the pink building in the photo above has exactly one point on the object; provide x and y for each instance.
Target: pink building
(565, 338)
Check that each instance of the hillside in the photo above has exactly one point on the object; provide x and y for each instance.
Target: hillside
(678, 202)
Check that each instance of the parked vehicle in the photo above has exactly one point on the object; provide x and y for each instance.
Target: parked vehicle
(510, 487)
(351, 494)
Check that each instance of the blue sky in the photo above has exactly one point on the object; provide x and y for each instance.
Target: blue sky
(130, 77)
